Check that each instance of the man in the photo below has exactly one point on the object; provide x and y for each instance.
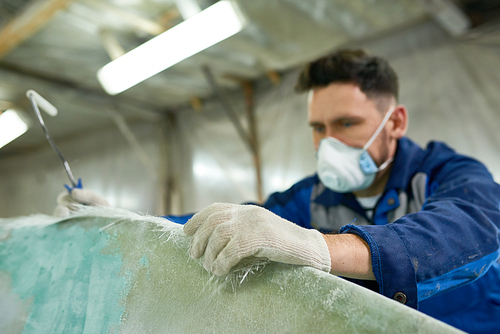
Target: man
(419, 226)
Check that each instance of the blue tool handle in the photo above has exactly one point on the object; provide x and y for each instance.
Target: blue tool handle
(76, 186)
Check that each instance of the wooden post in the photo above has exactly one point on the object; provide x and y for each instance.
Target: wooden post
(250, 138)
(253, 136)
(226, 106)
(167, 175)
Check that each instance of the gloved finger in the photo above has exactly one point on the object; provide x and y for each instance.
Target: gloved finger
(218, 240)
(231, 255)
(195, 222)
(88, 197)
(65, 199)
(198, 219)
(61, 211)
(205, 231)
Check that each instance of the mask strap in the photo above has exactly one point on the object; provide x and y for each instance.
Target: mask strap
(380, 127)
(385, 164)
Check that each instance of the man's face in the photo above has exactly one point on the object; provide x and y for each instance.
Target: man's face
(344, 112)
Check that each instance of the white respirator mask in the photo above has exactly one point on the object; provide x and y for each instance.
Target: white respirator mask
(343, 168)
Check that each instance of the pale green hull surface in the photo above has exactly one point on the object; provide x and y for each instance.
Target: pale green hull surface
(135, 276)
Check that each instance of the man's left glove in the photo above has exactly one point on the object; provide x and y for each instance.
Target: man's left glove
(66, 201)
(227, 233)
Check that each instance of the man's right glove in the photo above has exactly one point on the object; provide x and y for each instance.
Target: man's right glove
(66, 201)
(227, 233)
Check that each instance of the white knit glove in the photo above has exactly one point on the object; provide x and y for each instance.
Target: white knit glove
(66, 201)
(228, 233)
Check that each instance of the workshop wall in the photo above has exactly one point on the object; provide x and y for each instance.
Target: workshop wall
(448, 85)
(104, 160)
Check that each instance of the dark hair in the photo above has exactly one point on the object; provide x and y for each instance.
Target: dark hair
(372, 75)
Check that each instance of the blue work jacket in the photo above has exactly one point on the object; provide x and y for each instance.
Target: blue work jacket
(434, 233)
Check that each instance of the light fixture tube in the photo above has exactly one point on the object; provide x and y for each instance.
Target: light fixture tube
(11, 126)
(212, 25)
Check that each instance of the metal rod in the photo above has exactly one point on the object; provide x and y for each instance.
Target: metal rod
(51, 141)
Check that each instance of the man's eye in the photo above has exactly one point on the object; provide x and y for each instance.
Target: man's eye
(347, 124)
(319, 129)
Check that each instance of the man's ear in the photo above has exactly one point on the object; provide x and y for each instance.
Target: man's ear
(399, 120)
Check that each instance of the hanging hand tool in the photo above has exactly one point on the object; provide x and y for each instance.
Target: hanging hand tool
(38, 101)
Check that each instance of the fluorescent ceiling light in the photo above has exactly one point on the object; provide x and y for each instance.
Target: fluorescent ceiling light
(209, 27)
(11, 126)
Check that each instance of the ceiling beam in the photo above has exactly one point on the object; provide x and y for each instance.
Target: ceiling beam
(58, 84)
(4, 105)
(36, 15)
(111, 44)
(137, 21)
(449, 15)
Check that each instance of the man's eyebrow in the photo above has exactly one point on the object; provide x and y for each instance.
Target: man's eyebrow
(347, 118)
(339, 119)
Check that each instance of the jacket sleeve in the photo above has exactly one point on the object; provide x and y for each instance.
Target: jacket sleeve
(451, 242)
(179, 219)
(294, 203)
